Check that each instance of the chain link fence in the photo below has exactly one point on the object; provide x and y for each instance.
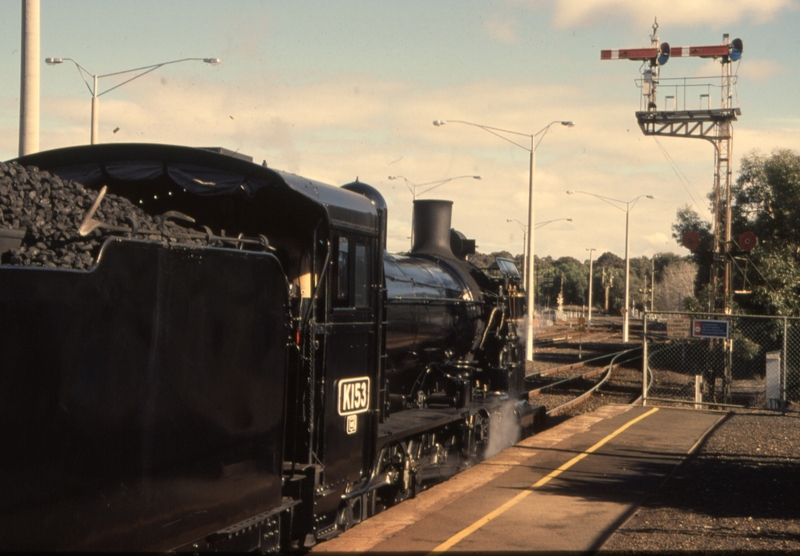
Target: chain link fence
(714, 360)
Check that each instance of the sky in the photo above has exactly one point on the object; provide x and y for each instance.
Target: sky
(346, 89)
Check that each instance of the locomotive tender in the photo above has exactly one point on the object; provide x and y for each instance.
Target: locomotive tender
(266, 391)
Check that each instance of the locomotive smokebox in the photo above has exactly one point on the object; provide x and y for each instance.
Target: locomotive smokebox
(432, 227)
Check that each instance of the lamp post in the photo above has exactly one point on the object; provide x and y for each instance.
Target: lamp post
(529, 251)
(546, 222)
(627, 210)
(412, 187)
(93, 87)
(590, 250)
(524, 242)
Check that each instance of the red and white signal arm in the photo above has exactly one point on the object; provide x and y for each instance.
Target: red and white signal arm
(353, 396)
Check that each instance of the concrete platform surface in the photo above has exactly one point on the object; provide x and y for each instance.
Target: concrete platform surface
(567, 488)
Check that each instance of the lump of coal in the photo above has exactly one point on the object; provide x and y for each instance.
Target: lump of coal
(50, 210)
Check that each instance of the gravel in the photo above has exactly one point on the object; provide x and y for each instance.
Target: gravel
(739, 491)
(50, 210)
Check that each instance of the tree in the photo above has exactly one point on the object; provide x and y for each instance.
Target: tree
(575, 280)
(765, 201)
(703, 256)
(609, 260)
(482, 260)
(662, 261)
(675, 283)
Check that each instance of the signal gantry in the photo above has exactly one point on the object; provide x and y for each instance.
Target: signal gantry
(714, 124)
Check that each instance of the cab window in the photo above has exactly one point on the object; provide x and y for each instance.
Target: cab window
(352, 274)
(361, 282)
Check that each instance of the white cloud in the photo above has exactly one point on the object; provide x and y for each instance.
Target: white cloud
(500, 28)
(337, 129)
(759, 70)
(571, 13)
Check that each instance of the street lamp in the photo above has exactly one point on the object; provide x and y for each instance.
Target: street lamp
(590, 250)
(627, 210)
(524, 243)
(529, 251)
(93, 87)
(546, 222)
(412, 187)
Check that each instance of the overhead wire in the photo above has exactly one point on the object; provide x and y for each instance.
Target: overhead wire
(684, 181)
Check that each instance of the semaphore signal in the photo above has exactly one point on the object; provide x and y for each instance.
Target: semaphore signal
(704, 122)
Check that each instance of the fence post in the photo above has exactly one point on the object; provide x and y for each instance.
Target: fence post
(727, 376)
(644, 358)
(784, 356)
(698, 391)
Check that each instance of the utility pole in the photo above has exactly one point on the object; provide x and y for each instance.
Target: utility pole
(652, 284)
(608, 282)
(29, 79)
(590, 250)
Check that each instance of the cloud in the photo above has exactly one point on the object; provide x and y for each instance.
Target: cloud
(500, 28)
(574, 13)
(349, 126)
(758, 70)
(352, 125)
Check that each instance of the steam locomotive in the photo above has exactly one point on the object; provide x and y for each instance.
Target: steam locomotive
(264, 391)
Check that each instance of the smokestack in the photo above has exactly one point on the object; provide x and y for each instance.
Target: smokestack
(432, 227)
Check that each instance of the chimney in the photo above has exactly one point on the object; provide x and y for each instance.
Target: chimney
(432, 227)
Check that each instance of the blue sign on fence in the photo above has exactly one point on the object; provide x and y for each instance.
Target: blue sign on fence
(709, 328)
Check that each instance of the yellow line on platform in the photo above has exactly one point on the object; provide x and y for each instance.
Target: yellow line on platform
(458, 537)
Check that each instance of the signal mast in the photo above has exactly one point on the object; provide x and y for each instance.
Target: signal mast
(705, 122)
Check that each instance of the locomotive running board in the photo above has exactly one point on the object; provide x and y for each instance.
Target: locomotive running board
(407, 423)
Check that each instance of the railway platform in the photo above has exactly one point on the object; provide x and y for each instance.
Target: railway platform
(567, 488)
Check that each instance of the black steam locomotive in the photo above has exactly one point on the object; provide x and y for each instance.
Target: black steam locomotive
(266, 390)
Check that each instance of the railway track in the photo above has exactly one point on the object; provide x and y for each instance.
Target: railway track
(579, 387)
(564, 335)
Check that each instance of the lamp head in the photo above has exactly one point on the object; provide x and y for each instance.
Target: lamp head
(568, 123)
(439, 122)
(570, 192)
(212, 61)
(53, 61)
(476, 177)
(649, 196)
(569, 219)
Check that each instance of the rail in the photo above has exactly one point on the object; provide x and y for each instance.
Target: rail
(617, 359)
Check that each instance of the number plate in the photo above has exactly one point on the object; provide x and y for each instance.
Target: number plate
(354, 395)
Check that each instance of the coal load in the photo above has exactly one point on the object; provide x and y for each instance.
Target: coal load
(49, 211)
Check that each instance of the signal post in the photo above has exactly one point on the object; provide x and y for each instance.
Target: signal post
(712, 124)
